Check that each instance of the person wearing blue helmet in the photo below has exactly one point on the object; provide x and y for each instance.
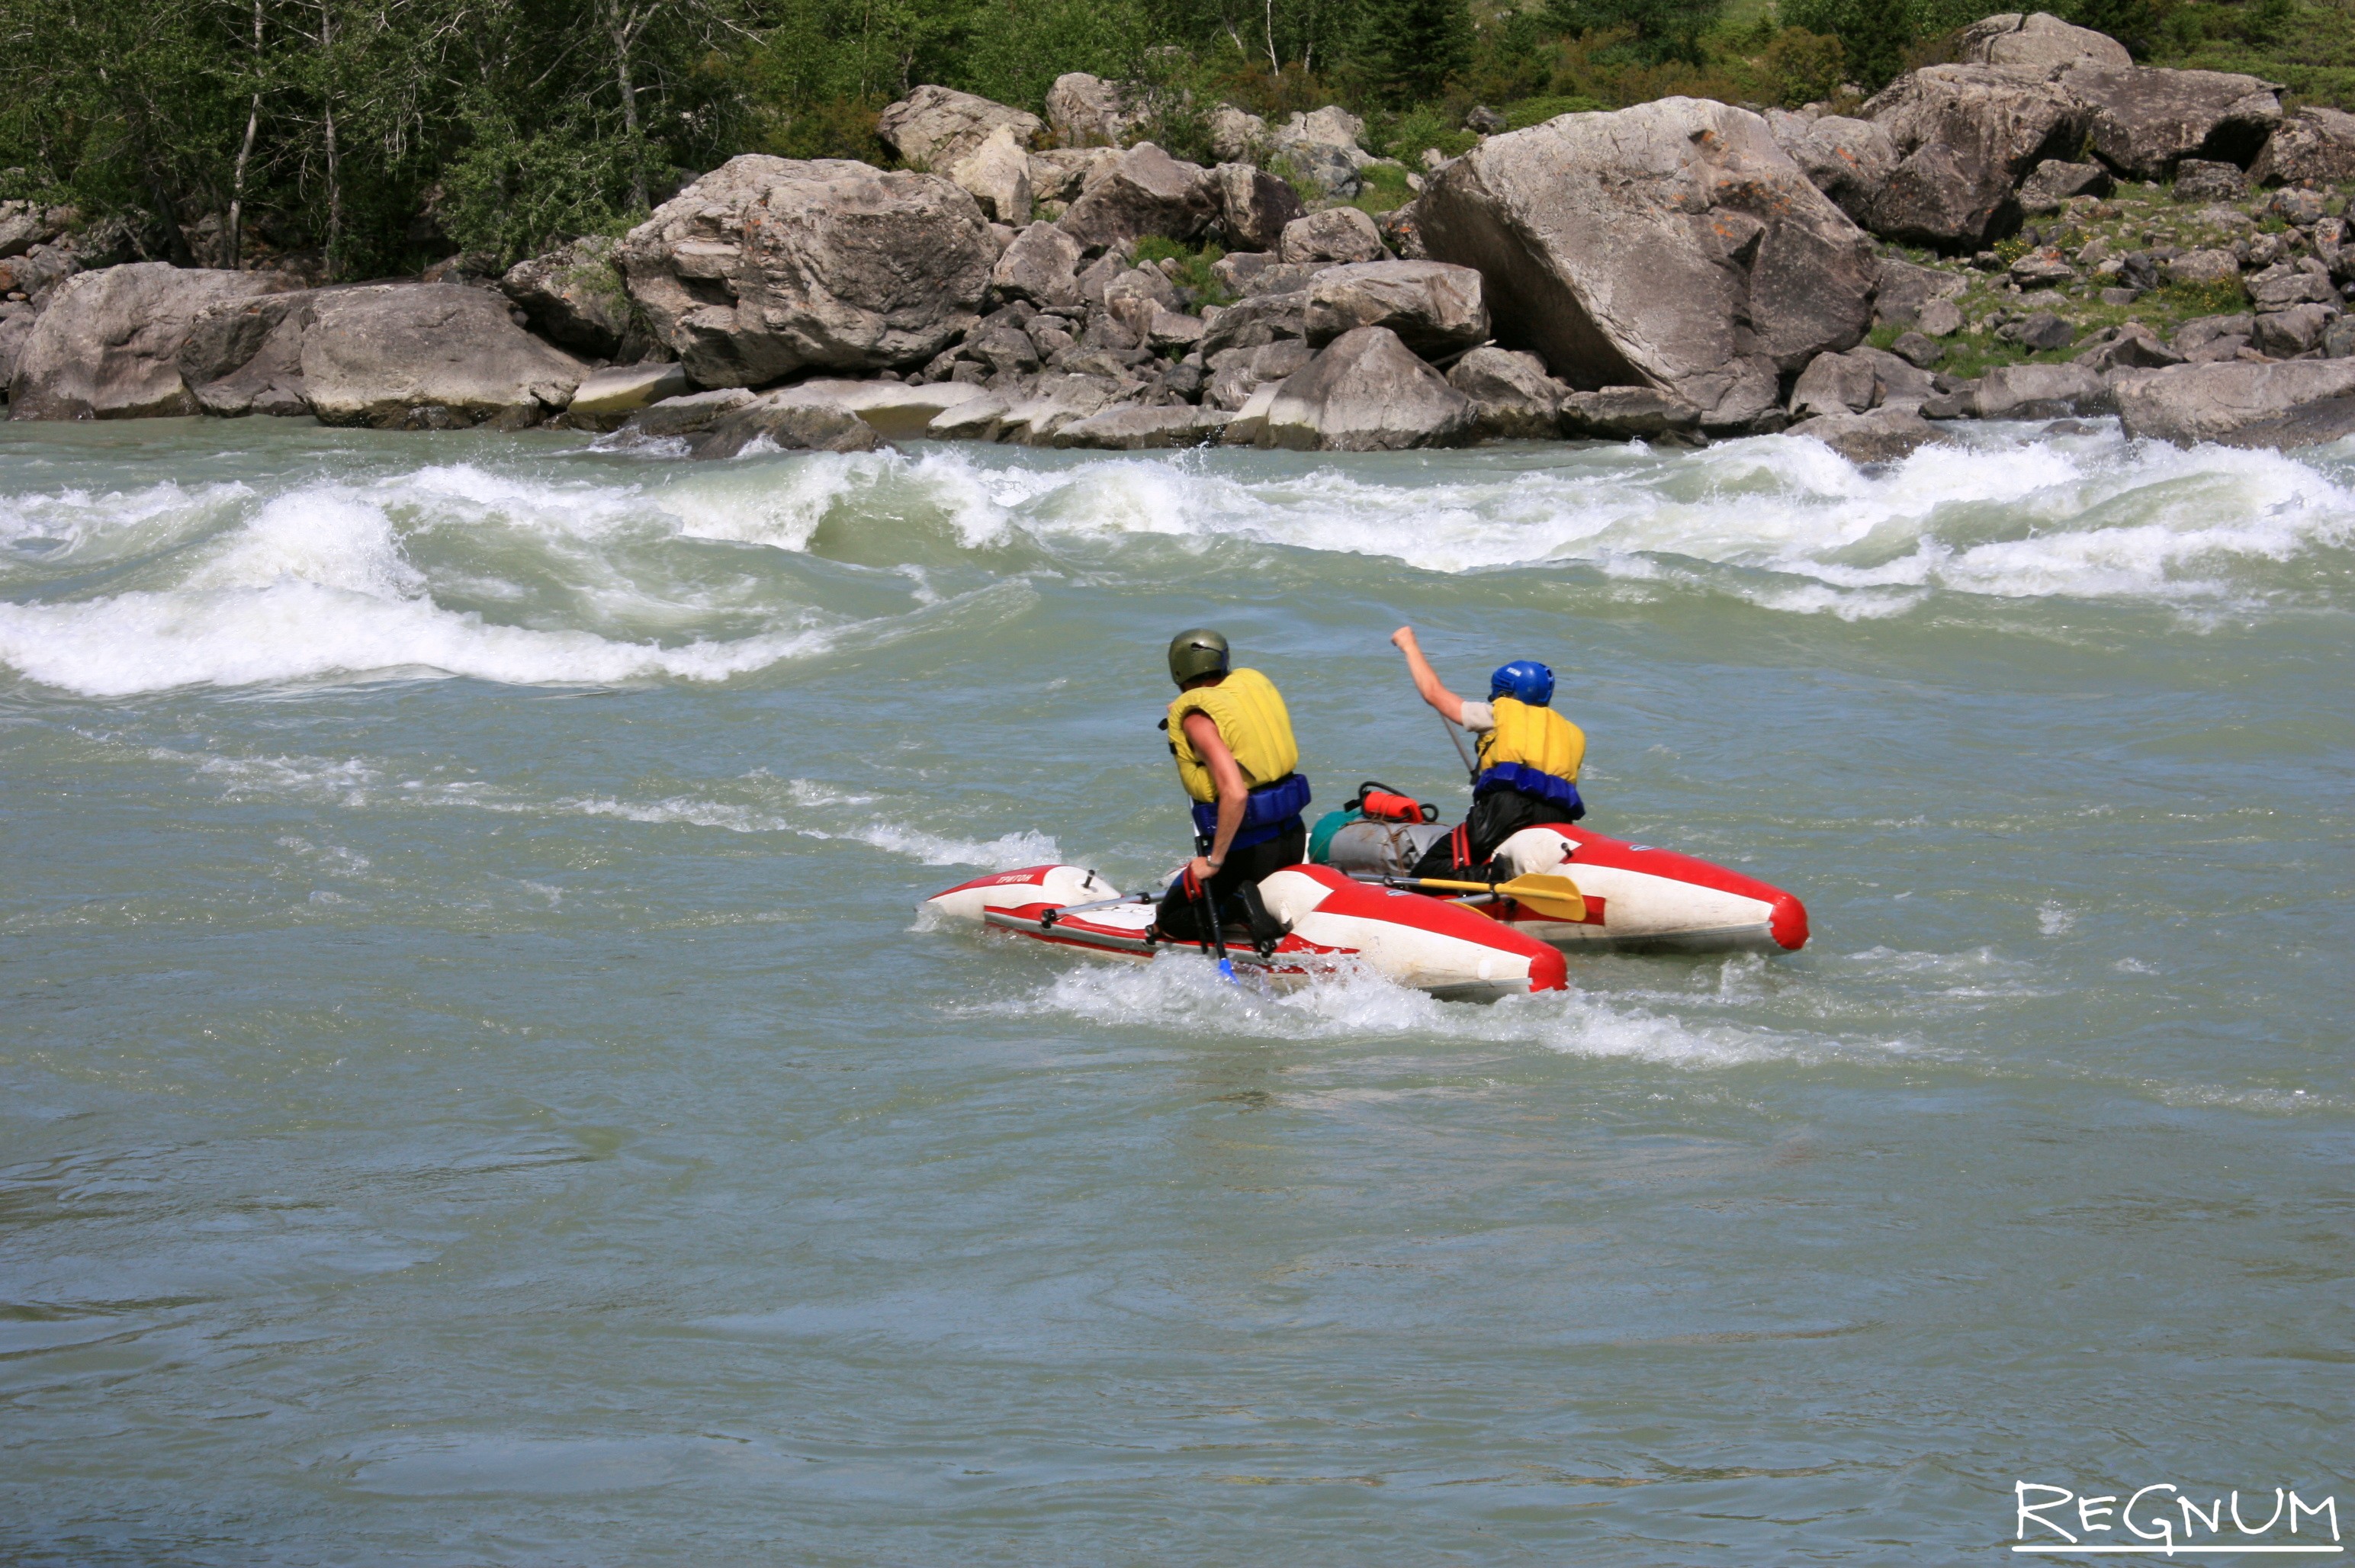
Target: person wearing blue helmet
(1529, 757)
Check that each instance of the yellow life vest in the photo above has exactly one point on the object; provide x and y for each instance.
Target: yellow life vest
(1252, 721)
(1535, 738)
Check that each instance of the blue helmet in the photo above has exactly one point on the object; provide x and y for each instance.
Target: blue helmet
(1523, 680)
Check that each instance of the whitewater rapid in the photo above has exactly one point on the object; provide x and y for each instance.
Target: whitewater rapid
(526, 563)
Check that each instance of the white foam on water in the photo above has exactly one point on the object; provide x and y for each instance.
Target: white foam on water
(1184, 992)
(317, 585)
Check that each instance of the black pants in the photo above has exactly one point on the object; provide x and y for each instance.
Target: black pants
(1495, 818)
(1180, 918)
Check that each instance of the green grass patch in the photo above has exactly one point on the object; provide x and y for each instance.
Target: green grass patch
(1382, 189)
(1194, 273)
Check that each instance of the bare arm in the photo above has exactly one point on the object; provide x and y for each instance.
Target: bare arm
(1449, 706)
(1227, 774)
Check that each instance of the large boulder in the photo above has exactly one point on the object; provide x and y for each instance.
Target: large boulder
(2236, 403)
(1434, 307)
(1320, 149)
(937, 128)
(1965, 136)
(2041, 392)
(1512, 396)
(17, 319)
(607, 397)
(1671, 245)
(1042, 266)
(1336, 234)
(1254, 207)
(1145, 192)
(1884, 435)
(1847, 160)
(2053, 184)
(245, 357)
(1366, 392)
(1089, 112)
(429, 356)
(775, 424)
(996, 174)
(575, 298)
(2038, 44)
(1904, 291)
(1128, 427)
(2146, 121)
(2316, 146)
(767, 266)
(108, 347)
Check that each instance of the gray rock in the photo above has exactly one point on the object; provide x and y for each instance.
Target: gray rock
(2196, 179)
(2314, 146)
(1849, 160)
(894, 409)
(1941, 318)
(1402, 233)
(1060, 173)
(1884, 435)
(245, 357)
(2202, 267)
(1918, 349)
(936, 128)
(1897, 383)
(1236, 268)
(15, 327)
(108, 345)
(1966, 135)
(2040, 45)
(1129, 428)
(2300, 329)
(1254, 207)
(1672, 245)
(40, 270)
(2042, 269)
(786, 424)
(1336, 234)
(1366, 391)
(1284, 278)
(2338, 343)
(688, 414)
(1834, 384)
(607, 397)
(1041, 266)
(1240, 372)
(1959, 401)
(2145, 122)
(1321, 149)
(996, 174)
(1434, 307)
(1089, 112)
(769, 266)
(574, 297)
(2131, 347)
(2041, 331)
(2299, 207)
(2286, 283)
(1145, 192)
(25, 224)
(1236, 136)
(1513, 398)
(1055, 401)
(384, 355)
(1263, 318)
(2300, 403)
(2053, 183)
(1629, 414)
(2040, 392)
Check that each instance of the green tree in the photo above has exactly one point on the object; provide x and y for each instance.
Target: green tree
(1657, 30)
(1407, 49)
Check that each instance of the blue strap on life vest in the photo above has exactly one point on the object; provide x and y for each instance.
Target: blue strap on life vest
(1269, 812)
(1552, 788)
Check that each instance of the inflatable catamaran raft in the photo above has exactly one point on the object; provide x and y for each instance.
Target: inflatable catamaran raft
(1351, 907)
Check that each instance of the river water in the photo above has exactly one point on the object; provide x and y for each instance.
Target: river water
(473, 1087)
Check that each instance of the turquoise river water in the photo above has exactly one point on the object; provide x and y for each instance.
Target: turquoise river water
(474, 1087)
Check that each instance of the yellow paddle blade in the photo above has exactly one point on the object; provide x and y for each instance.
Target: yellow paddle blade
(1554, 897)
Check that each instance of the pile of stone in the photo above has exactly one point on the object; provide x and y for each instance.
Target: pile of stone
(1679, 271)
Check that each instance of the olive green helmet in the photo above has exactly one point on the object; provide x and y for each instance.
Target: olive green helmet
(1196, 653)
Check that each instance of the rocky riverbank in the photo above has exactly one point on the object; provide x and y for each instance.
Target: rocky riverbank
(2040, 228)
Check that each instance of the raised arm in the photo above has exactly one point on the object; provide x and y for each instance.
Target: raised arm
(1449, 706)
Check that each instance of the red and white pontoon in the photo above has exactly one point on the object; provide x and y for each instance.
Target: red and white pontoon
(1333, 922)
(1636, 898)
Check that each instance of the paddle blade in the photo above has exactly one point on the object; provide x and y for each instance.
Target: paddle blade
(1554, 897)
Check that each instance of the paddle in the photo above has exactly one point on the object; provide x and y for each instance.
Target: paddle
(1457, 741)
(1218, 935)
(1556, 897)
